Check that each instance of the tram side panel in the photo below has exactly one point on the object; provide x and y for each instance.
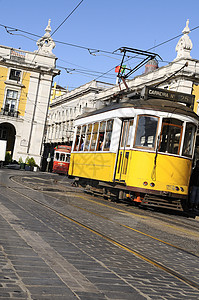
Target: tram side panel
(96, 165)
(169, 174)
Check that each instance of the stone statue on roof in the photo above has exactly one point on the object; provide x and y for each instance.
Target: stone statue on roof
(184, 45)
(46, 44)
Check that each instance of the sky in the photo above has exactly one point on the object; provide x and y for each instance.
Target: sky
(103, 25)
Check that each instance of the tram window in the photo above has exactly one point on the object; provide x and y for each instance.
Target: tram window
(107, 141)
(124, 169)
(101, 135)
(94, 136)
(67, 158)
(171, 136)
(56, 156)
(146, 131)
(88, 137)
(62, 157)
(77, 139)
(127, 130)
(82, 138)
(189, 140)
(130, 133)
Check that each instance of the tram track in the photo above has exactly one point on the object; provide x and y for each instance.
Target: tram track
(125, 226)
(180, 222)
(137, 231)
(184, 221)
(159, 215)
(117, 243)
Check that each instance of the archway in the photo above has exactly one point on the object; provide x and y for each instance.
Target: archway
(8, 132)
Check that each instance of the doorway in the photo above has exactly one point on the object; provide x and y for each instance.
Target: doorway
(8, 133)
(124, 153)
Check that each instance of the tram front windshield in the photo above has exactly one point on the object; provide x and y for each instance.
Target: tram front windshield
(189, 140)
(65, 157)
(171, 137)
(146, 131)
(174, 132)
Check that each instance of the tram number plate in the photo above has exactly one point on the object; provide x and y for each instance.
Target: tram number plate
(170, 187)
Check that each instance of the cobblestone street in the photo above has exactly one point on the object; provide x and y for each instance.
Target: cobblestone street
(69, 245)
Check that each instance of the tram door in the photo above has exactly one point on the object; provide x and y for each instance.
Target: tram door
(124, 153)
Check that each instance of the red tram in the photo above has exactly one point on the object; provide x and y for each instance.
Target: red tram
(61, 159)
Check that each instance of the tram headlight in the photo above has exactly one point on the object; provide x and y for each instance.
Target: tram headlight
(181, 188)
(152, 184)
(177, 188)
(145, 183)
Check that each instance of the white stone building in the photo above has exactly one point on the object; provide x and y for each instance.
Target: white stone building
(65, 108)
(25, 88)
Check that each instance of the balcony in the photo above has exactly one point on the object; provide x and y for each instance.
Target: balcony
(17, 56)
(9, 112)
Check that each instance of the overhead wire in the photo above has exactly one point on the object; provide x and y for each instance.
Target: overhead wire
(67, 17)
(93, 50)
(89, 48)
(32, 117)
(83, 72)
(160, 44)
(128, 56)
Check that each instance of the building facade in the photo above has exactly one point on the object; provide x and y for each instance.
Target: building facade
(67, 107)
(25, 89)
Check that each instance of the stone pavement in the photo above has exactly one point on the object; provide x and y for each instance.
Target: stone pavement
(46, 256)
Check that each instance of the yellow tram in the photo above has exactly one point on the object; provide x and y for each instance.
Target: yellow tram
(140, 147)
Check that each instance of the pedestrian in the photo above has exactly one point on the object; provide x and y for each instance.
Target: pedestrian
(194, 188)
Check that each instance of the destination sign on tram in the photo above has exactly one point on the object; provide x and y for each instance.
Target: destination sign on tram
(152, 92)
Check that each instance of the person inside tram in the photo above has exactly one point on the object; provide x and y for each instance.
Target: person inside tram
(194, 188)
(82, 144)
(100, 142)
(101, 145)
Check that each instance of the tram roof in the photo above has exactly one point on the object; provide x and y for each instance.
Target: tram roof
(151, 104)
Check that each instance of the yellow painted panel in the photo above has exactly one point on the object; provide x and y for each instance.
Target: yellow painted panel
(3, 77)
(196, 93)
(24, 93)
(170, 171)
(99, 166)
(124, 160)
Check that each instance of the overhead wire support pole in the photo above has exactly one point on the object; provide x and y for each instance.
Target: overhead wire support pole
(149, 56)
(138, 51)
(138, 66)
(121, 66)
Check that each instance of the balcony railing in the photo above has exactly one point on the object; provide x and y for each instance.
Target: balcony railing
(10, 113)
(17, 56)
